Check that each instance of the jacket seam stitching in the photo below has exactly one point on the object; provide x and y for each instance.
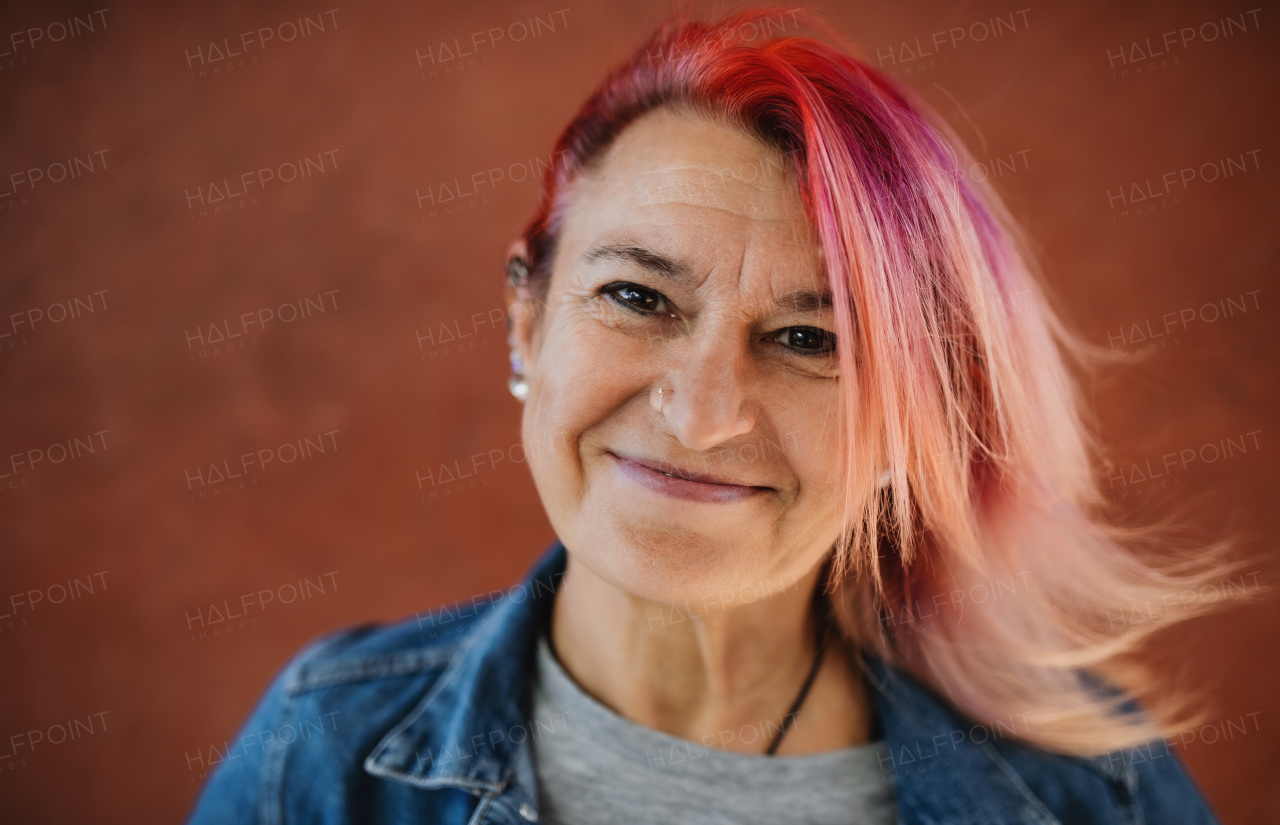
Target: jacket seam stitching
(482, 810)
(271, 805)
(477, 787)
(1012, 777)
(273, 763)
(369, 670)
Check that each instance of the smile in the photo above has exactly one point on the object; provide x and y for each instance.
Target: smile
(677, 482)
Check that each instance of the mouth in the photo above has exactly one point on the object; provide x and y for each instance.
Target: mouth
(680, 482)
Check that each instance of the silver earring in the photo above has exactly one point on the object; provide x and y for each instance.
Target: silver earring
(885, 478)
(515, 382)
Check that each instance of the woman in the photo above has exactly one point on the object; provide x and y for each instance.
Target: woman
(830, 545)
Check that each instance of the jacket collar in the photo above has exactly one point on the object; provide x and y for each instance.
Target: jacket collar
(469, 731)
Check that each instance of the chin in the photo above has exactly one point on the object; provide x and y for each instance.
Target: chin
(671, 563)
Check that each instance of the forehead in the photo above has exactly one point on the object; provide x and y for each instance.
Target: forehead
(688, 179)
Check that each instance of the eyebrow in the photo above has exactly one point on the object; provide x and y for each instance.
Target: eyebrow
(646, 259)
(805, 300)
(800, 301)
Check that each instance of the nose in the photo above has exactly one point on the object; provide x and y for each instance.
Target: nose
(709, 402)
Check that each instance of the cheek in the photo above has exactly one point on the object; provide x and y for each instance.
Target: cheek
(817, 458)
(578, 382)
(806, 429)
(806, 418)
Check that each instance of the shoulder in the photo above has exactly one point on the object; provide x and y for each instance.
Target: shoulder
(926, 733)
(1149, 778)
(323, 713)
(374, 653)
(390, 664)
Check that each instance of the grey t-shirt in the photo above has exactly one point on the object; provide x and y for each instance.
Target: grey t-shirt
(593, 766)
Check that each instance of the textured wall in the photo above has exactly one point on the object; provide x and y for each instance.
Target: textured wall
(158, 196)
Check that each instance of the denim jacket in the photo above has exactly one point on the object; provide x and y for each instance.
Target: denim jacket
(427, 721)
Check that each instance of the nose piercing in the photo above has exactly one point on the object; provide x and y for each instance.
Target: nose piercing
(663, 395)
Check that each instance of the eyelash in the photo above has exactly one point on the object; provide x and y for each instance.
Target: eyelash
(612, 290)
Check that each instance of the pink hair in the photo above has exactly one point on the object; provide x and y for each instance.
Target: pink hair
(954, 376)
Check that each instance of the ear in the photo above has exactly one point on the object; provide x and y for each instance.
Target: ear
(522, 304)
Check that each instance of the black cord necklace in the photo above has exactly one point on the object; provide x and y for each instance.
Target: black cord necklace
(820, 647)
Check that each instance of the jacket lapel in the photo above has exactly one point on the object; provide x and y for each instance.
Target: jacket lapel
(469, 731)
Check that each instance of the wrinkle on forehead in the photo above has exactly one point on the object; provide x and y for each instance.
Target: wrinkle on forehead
(673, 160)
(704, 191)
(693, 185)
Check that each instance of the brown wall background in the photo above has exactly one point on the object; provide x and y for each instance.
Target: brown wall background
(1074, 119)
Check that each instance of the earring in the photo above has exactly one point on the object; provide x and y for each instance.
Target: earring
(515, 382)
(885, 478)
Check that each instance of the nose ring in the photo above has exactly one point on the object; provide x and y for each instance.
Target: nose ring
(663, 395)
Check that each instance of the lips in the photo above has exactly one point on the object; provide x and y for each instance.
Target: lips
(679, 482)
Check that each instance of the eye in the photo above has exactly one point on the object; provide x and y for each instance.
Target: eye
(637, 298)
(807, 340)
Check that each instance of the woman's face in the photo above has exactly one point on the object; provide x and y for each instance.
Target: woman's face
(686, 263)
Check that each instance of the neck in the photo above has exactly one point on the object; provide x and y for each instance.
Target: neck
(723, 678)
